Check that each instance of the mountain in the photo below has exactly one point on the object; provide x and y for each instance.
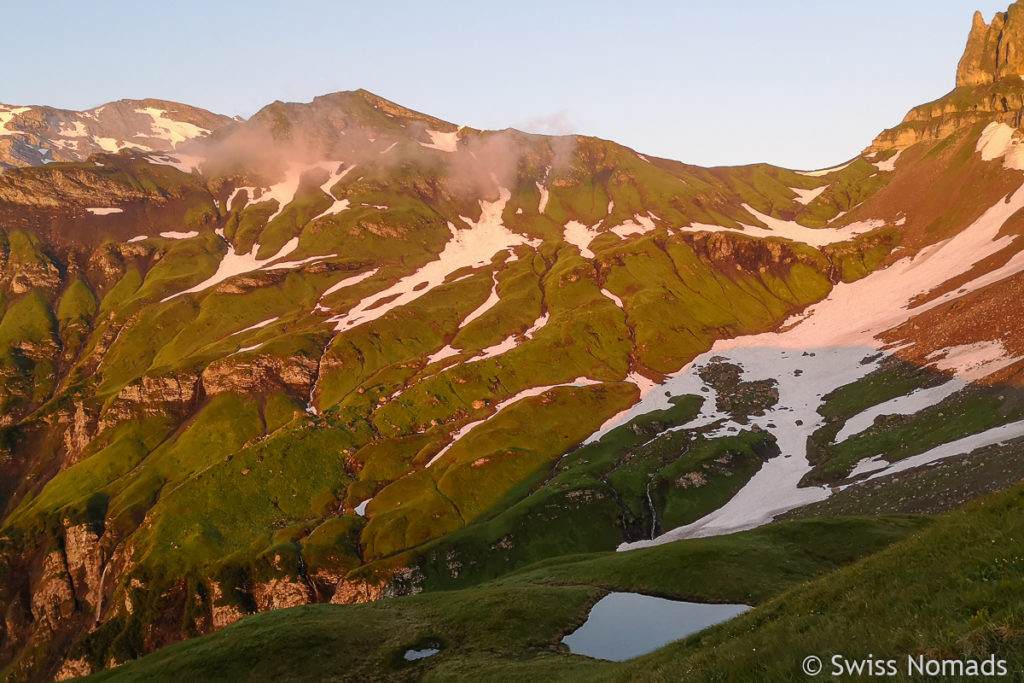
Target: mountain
(32, 136)
(344, 352)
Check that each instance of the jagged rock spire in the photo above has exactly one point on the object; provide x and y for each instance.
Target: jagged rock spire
(994, 51)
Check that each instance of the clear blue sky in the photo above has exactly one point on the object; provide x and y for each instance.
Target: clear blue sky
(799, 83)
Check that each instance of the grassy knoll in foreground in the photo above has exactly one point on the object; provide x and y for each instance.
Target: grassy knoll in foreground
(511, 628)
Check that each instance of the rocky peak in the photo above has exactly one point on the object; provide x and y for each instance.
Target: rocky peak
(994, 51)
(39, 135)
(989, 86)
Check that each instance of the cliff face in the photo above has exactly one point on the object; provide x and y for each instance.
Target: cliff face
(994, 51)
(989, 86)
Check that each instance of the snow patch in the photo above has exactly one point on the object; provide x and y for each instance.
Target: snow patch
(472, 247)
(104, 211)
(989, 437)
(543, 198)
(1000, 140)
(485, 306)
(825, 171)
(525, 393)
(292, 265)
(246, 349)
(833, 343)
(889, 165)
(172, 235)
(236, 264)
(580, 236)
(257, 326)
(504, 346)
(537, 325)
(348, 282)
(617, 300)
(639, 225)
(446, 142)
(174, 132)
(914, 402)
(974, 361)
(791, 230)
(805, 197)
(108, 144)
(5, 117)
(447, 352)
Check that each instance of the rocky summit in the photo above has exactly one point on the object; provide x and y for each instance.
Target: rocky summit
(345, 391)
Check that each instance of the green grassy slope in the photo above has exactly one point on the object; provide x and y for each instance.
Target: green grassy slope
(511, 627)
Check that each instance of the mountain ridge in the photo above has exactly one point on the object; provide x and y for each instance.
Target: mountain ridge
(344, 351)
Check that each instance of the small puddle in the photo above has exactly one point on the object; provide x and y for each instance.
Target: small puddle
(626, 625)
(413, 655)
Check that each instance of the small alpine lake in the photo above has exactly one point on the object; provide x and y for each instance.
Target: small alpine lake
(626, 625)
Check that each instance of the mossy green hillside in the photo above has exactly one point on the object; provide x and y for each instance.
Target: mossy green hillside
(511, 628)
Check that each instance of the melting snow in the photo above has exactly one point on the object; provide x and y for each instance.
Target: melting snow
(889, 165)
(447, 352)
(172, 235)
(107, 144)
(246, 349)
(104, 212)
(348, 282)
(543, 198)
(831, 345)
(257, 325)
(999, 140)
(640, 225)
(183, 162)
(791, 230)
(361, 508)
(5, 117)
(76, 130)
(284, 191)
(473, 247)
(170, 130)
(138, 238)
(291, 265)
(913, 402)
(505, 345)
(446, 142)
(537, 325)
(807, 196)
(617, 300)
(236, 264)
(485, 306)
(974, 361)
(825, 171)
(525, 393)
(967, 444)
(580, 236)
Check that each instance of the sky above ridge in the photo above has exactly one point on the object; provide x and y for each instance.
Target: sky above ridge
(797, 83)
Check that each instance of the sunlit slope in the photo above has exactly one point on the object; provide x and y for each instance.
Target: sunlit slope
(354, 352)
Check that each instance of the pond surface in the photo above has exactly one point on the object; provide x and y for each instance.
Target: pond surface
(626, 625)
(413, 655)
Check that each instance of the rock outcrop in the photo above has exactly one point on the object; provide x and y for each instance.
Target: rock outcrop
(251, 375)
(53, 599)
(994, 51)
(989, 86)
